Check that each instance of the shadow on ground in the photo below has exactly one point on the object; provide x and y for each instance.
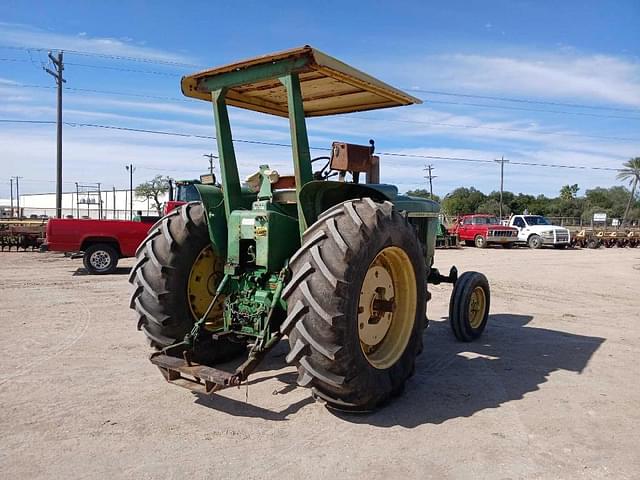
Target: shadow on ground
(273, 362)
(119, 271)
(452, 379)
(455, 379)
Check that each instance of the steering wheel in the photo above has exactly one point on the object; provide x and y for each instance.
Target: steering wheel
(320, 175)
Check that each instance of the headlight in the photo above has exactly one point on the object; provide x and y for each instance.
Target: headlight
(548, 233)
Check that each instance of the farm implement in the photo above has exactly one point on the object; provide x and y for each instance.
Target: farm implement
(21, 234)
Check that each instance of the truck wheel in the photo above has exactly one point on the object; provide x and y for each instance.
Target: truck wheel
(480, 241)
(535, 242)
(356, 305)
(100, 259)
(175, 277)
(469, 306)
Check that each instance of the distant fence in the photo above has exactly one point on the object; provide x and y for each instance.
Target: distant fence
(106, 214)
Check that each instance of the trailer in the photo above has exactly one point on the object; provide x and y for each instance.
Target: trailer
(24, 234)
(596, 238)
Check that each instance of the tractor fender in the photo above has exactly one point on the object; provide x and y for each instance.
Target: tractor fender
(318, 196)
(213, 203)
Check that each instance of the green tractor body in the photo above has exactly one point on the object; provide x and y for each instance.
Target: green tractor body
(340, 267)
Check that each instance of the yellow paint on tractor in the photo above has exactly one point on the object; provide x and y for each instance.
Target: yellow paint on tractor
(387, 307)
(201, 287)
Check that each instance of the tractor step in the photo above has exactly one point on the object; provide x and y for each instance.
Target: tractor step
(200, 378)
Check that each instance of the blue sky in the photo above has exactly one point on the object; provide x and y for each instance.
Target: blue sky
(572, 52)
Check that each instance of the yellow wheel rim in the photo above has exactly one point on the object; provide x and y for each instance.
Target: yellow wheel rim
(477, 307)
(387, 307)
(201, 287)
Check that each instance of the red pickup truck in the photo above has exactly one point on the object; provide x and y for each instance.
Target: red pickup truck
(482, 230)
(103, 242)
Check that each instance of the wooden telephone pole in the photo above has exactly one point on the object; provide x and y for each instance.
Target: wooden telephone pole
(429, 168)
(57, 74)
(210, 156)
(502, 161)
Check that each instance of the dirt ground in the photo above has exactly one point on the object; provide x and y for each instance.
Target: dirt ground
(551, 391)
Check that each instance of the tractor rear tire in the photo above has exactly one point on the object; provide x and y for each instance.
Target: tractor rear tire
(161, 276)
(358, 284)
(469, 306)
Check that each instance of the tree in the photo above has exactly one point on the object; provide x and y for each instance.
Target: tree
(492, 206)
(569, 192)
(423, 193)
(630, 173)
(153, 190)
(463, 200)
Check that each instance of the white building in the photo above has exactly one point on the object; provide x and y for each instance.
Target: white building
(111, 204)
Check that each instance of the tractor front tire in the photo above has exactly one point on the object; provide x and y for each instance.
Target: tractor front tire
(356, 305)
(175, 276)
(469, 306)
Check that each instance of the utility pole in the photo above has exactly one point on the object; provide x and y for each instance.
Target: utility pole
(131, 170)
(502, 161)
(59, 67)
(210, 156)
(11, 182)
(430, 177)
(17, 179)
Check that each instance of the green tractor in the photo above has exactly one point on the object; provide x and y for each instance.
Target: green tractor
(340, 266)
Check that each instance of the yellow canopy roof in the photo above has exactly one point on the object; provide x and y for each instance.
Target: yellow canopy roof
(328, 85)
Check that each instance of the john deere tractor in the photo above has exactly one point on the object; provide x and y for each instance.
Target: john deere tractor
(328, 257)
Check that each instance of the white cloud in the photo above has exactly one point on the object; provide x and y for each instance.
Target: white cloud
(27, 36)
(563, 74)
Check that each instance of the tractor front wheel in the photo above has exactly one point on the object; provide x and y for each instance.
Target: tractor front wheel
(175, 277)
(469, 306)
(356, 305)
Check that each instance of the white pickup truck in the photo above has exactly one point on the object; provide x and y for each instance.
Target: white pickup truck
(536, 231)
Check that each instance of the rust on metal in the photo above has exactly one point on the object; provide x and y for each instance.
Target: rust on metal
(199, 378)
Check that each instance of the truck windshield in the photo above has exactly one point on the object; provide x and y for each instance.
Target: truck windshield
(187, 193)
(536, 220)
(485, 221)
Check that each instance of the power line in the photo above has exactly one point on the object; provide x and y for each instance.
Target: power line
(522, 100)
(120, 69)
(191, 65)
(500, 129)
(541, 110)
(287, 145)
(106, 55)
(428, 101)
(209, 137)
(440, 124)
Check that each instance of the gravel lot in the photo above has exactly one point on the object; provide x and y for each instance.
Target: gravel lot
(551, 391)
